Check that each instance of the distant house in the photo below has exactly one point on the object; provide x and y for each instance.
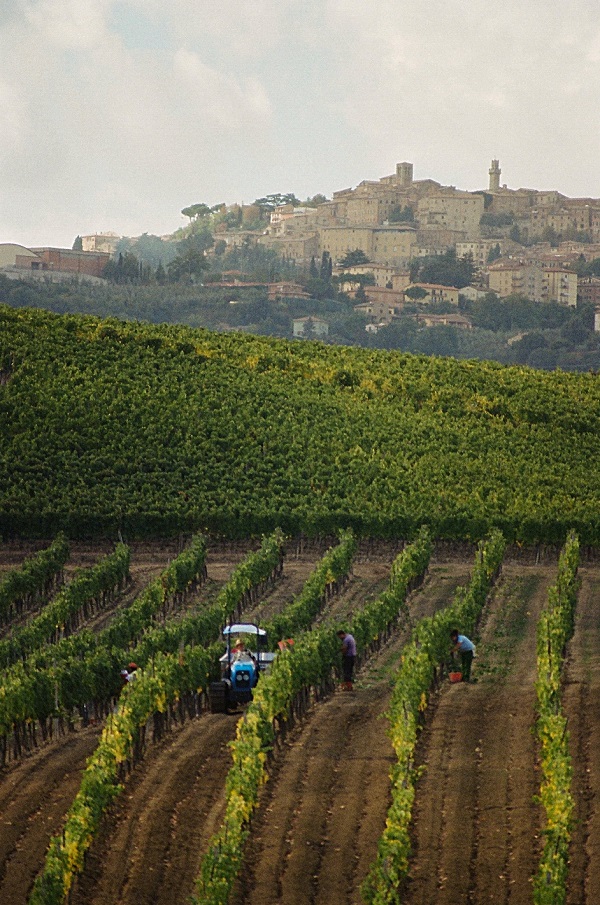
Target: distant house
(538, 282)
(89, 263)
(444, 320)
(474, 293)
(588, 290)
(285, 290)
(13, 255)
(436, 293)
(100, 242)
(51, 264)
(379, 310)
(310, 326)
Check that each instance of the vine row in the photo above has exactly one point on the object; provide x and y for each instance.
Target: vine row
(26, 587)
(423, 661)
(555, 628)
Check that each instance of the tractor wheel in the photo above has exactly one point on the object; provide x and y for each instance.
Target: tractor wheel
(218, 697)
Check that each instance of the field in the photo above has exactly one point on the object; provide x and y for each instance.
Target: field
(476, 831)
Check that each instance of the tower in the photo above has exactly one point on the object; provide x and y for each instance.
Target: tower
(404, 174)
(495, 176)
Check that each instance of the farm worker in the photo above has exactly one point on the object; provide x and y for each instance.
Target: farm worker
(124, 677)
(348, 658)
(465, 647)
(131, 672)
(239, 650)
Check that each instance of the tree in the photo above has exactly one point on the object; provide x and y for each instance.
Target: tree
(78, 244)
(270, 202)
(326, 267)
(446, 269)
(415, 293)
(191, 259)
(149, 248)
(196, 211)
(354, 258)
(496, 220)
(125, 269)
(314, 273)
(401, 214)
(315, 201)
(515, 234)
(494, 253)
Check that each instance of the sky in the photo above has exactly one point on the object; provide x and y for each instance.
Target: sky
(116, 114)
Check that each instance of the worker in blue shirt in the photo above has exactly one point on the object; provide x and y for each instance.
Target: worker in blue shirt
(465, 647)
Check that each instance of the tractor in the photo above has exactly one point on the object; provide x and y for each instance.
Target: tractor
(241, 665)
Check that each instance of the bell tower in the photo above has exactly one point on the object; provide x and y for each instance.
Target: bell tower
(495, 176)
(404, 174)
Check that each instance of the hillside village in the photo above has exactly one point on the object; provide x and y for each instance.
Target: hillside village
(397, 219)
(370, 240)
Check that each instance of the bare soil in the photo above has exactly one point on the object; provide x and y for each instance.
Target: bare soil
(477, 828)
(581, 703)
(34, 798)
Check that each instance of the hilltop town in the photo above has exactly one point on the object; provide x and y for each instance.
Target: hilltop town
(391, 248)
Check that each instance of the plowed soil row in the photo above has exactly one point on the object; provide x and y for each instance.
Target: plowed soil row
(325, 806)
(34, 797)
(476, 829)
(581, 703)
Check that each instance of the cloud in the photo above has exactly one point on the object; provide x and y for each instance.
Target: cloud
(68, 24)
(220, 96)
(115, 114)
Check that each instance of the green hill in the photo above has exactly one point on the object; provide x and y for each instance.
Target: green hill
(155, 430)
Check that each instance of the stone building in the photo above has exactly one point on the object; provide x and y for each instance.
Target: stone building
(540, 283)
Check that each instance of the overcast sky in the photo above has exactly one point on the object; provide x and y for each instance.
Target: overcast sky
(116, 114)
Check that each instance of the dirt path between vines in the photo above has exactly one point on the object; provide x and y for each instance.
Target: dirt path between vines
(581, 704)
(476, 827)
(325, 805)
(34, 797)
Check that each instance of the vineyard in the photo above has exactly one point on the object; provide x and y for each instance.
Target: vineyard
(158, 483)
(408, 789)
(155, 431)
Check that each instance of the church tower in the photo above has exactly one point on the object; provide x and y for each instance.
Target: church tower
(495, 176)
(404, 174)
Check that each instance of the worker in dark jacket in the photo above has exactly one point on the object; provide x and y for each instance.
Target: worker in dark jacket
(348, 658)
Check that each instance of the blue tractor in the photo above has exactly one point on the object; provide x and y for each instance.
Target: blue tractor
(241, 665)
